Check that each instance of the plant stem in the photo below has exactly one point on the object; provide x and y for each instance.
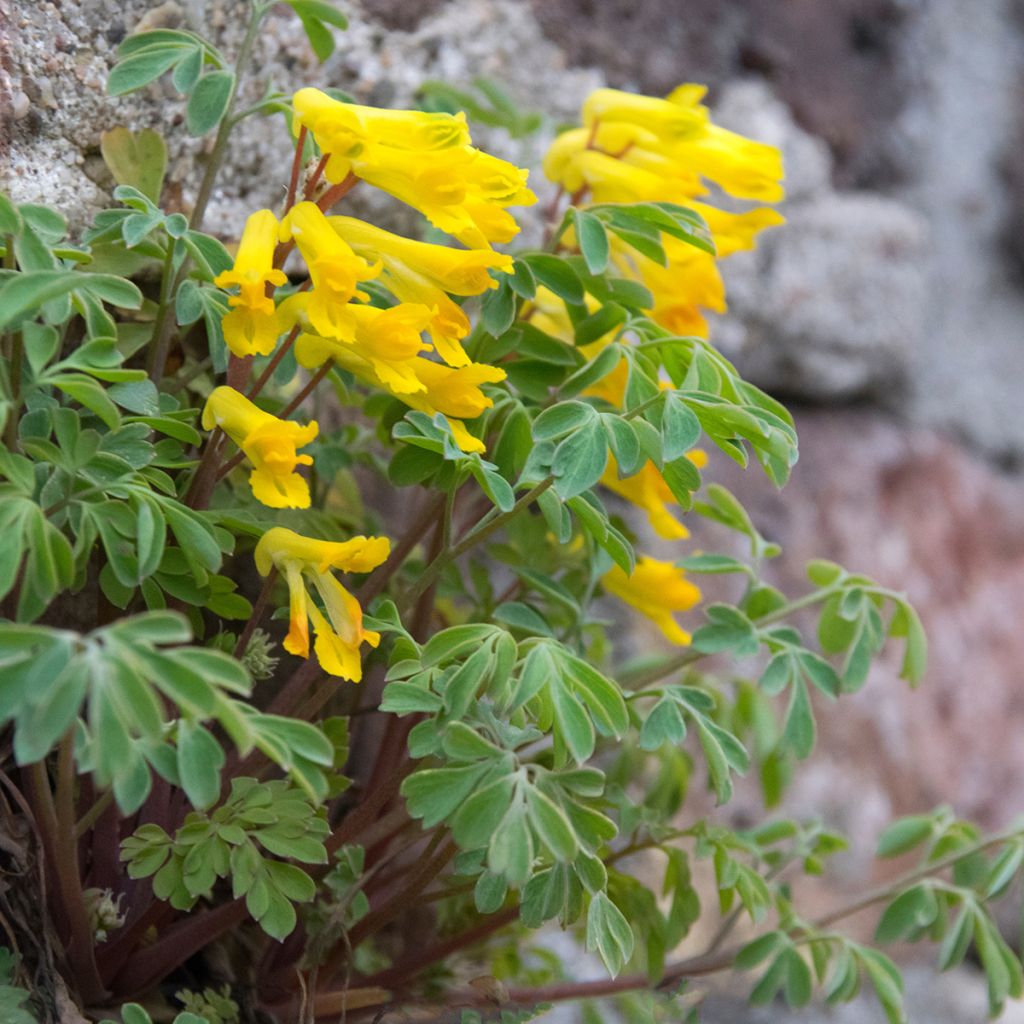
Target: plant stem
(430, 866)
(483, 530)
(160, 342)
(314, 179)
(13, 414)
(91, 816)
(257, 613)
(378, 579)
(293, 184)
(709, 962)
(268, 370)
(419, 960)
(62, 854)
(164, 327)
(306, 391)
(639, 678)
(224, 131)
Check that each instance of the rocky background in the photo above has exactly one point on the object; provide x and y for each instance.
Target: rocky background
(889, 312)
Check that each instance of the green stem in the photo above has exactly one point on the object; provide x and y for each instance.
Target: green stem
(642, 677)
(488, 525)
(160, 341)
(224, 131)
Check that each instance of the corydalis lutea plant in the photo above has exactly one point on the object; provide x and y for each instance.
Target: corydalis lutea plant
(407, 448)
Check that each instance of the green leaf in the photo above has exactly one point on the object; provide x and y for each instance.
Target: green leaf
(562, 419)
(10, 219)
(680, 428)
(88, 393)
(609, 933)
(556, 275)
(478, 818)
(434, 793)
(137, 158)
(573, 723)
(759, 950)
(799, 730)
(904, 835)
(580, 460)
(209, 101)
(729, 630)
(518, 615)
(510, 852)
(141, 68)
(551, 825)
(498, 309)
(592, 239)
(200, 760)
(907, 623)
(906, 915)
(314, 14)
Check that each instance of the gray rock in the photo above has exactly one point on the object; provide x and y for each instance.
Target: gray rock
(62, 53)
(831, 306)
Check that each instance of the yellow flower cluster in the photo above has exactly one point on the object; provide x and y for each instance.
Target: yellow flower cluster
(633, 149)
(427, 161)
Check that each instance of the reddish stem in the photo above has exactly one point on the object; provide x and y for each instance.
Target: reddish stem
(314, 179)
(293, 184)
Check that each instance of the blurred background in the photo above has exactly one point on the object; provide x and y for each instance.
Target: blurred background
(889, 312)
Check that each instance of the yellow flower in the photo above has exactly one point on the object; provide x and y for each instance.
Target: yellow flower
(740, 166)
(420, 383)
(340, 634)
(333, 267)
(462, 191)
(656, 589)
(670, 120)
(347, 131)
(386, 341)
(423, 159)
(690, 283)
(647, 490)
(269, 443)
(253, 326)
(423, 273)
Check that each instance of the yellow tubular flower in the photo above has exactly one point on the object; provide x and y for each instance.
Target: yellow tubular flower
(423, 159)
(347, 130)
(669, 120)
(383, 342)
(640, 148)
(334, 268)
(453, 391)
(269, 443)
(656, 589)
(420, 272)
(647, 490)
(340, 634)
(252, 326)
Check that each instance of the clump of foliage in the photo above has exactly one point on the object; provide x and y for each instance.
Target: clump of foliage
(224, 822)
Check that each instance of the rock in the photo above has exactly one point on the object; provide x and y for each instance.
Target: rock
(831, 306)
(839, 65)
(456, 42)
